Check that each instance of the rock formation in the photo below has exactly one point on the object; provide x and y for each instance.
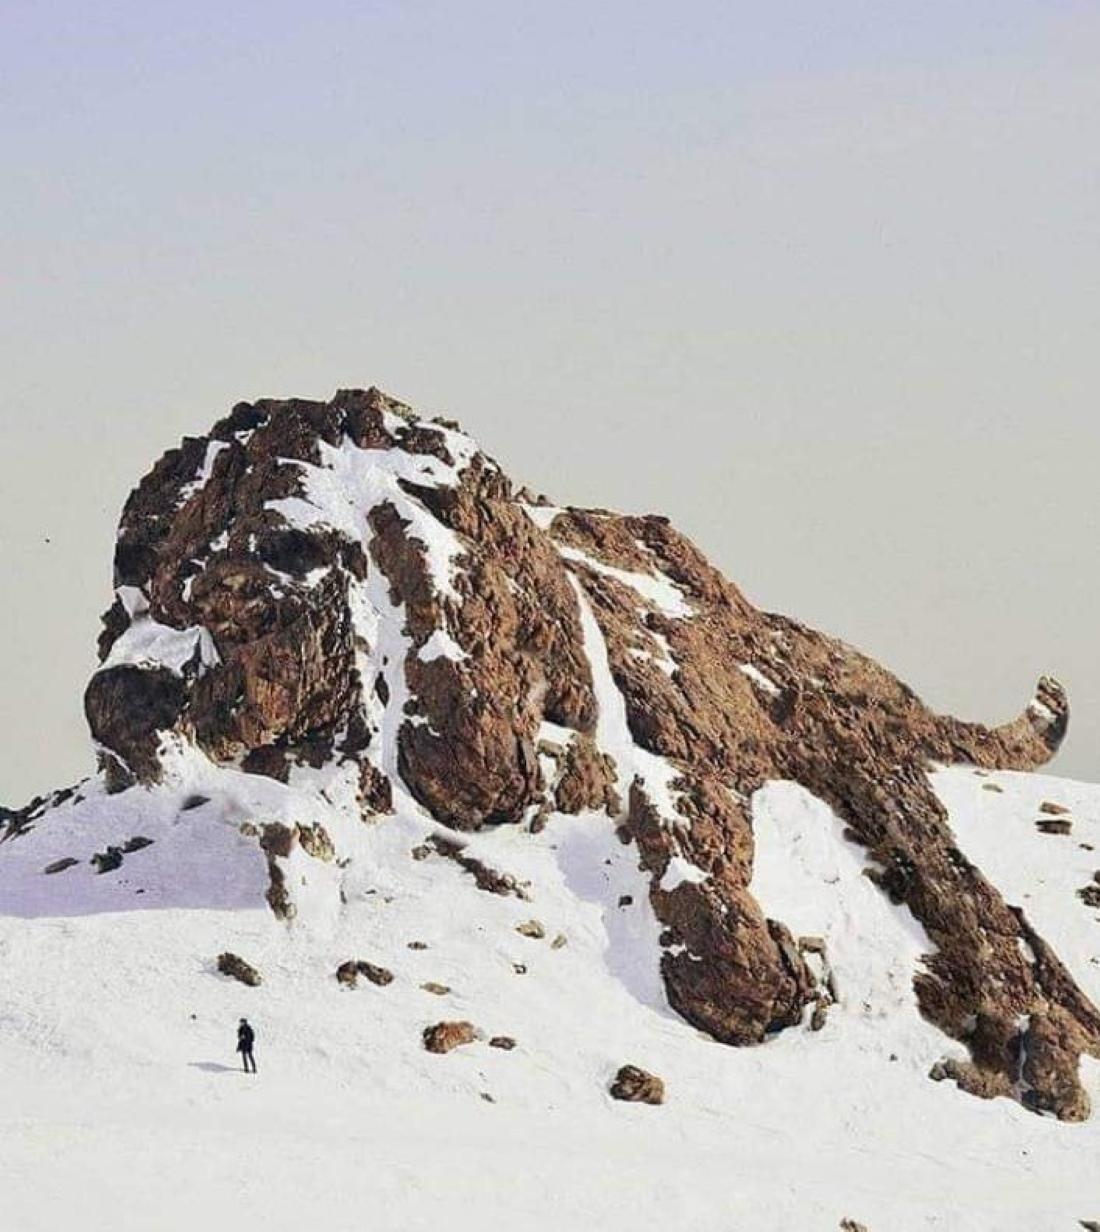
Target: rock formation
(322, 583)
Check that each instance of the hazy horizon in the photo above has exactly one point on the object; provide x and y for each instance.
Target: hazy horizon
(820, 286)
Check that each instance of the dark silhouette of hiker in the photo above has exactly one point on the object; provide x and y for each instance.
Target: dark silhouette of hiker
(246, 1037)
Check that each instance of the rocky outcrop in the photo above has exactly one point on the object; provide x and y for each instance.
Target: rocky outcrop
(59, 866)
(343, 584)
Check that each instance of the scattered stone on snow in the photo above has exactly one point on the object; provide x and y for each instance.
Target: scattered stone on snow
(234, 966)
(1054, 810)
(348, 973)
(59, 866)
(636, 1086)
(316, 842)
(1054, 825)
(107, 861)
(445, 1036)
(1090, 895)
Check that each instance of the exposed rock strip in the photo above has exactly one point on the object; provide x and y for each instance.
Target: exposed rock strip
(486, 878)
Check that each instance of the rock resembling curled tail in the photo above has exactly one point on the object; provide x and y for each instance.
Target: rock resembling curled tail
(1038, 733)
(1048, 712)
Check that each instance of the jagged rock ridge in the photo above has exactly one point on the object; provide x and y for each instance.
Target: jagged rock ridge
(342, 583)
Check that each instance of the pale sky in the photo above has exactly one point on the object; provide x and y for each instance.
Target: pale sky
(820, 282)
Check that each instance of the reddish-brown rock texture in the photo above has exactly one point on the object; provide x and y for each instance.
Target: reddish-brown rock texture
(319, 582)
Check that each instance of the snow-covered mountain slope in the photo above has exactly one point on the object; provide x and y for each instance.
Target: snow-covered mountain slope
(417, 748)
(124, 1110)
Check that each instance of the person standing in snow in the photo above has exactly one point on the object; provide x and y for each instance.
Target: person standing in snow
(246, 1037)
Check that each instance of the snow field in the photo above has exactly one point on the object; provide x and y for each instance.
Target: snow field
(123, 1108)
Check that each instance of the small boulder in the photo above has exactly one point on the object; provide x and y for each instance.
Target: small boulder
(532, 929)
(316, 842)
(1054, 825)
(107, 861)
(377, 975)
(1054, 810)
(348, 973)
(635, 1086)
(445, 1036)
(59, 866)
(236, 968)
(1089, 895)
(418, 945)
(502, 1041)
(437, 990)
(560, 940)
(136, 843)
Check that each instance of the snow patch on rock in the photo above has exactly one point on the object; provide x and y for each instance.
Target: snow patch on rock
(655, 588)
(350, 482)
(613, 735)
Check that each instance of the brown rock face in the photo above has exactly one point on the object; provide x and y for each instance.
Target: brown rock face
(330, 583)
